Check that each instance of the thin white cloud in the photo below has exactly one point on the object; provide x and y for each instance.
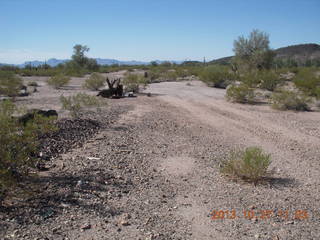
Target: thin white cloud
(17, 56)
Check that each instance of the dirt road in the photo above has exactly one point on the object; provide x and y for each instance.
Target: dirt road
(154, 174)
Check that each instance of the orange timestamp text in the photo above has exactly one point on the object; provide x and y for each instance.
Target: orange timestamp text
(259, 214)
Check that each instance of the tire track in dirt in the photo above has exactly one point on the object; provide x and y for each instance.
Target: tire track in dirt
(291, 147)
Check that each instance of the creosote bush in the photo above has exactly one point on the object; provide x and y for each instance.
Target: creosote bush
(240, 94)
(18, 146)
(94, 82)
(58, 81)
(268, 79)
(308, 81)
(217, 76)
(250, 164)
(10, 84)
(77, 103)
(288, 100)
(133, 82)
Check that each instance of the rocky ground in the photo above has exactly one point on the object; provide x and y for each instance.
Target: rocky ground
(151, 171)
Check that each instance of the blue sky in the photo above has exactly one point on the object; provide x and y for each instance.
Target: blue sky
(148, 30)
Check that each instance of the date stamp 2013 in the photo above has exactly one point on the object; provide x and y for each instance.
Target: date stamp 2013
(259, 214)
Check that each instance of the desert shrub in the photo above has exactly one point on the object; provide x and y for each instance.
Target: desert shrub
(240, 93)
(133, 82)
(269, 80)
(308, 81)
(154, 74)
(250, 165)
(10, 84)
(169, 75)
(33, 84)
(182, 72)
(217, 76)
(288, 100)
(94, 82)
(77, 103)
(18, 144)
(38, 72)
(58, 81)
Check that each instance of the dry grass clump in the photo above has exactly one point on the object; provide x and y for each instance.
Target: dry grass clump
(75, 104)
(250, 164)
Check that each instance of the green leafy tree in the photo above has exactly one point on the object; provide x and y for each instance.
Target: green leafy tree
(81, 61)
(79, 54)
(253, 52)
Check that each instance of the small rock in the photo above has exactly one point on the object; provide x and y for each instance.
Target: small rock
(289, 222)
(86, 226)
(124, 223)
(93, 158)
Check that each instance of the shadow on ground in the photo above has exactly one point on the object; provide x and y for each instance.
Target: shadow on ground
(87, 192)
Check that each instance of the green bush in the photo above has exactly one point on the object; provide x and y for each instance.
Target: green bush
(169, 75)
(250, 165)
(241, 94)
(182, 72)
(18, 145)
(308, 81)
(94, 82)
(10, 84)
(133, 82)
(58, 81)
(217, 76)
(288, 100)
(77, 103)
(269, 80)
(154, 74)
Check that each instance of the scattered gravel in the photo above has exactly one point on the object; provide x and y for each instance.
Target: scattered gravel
(152, 172)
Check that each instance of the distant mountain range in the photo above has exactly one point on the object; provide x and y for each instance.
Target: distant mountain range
(300, 53)
(54, 62)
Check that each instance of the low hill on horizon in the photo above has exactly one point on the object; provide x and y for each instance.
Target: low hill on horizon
(300, 53)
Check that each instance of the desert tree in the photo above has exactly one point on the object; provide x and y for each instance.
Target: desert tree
(254, 51)
(80, 60)
(79, 56)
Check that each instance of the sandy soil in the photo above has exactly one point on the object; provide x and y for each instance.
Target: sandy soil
(154, 173)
